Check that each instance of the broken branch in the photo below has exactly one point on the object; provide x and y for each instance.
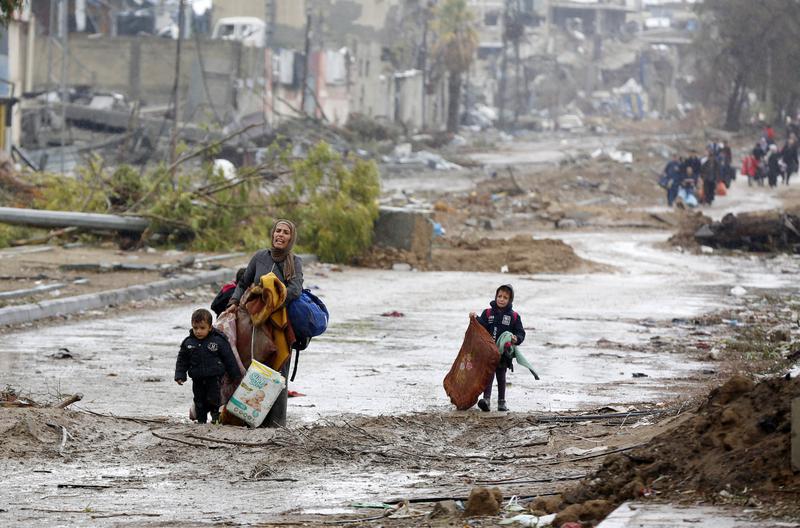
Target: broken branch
(69, 401)
(193, 444)
(232, 442)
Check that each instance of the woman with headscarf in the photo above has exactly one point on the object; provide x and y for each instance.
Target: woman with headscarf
(280, 260)
(288, 268)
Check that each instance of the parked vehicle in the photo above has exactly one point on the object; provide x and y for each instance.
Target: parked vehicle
(250, 31)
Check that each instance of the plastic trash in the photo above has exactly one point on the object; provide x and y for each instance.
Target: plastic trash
(530, 520)
(738, 291)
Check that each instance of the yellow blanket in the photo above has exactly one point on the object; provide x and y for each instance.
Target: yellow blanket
(266, 307)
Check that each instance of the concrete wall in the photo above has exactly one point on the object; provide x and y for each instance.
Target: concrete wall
(143, 69)
(407, 230)
(17, 68)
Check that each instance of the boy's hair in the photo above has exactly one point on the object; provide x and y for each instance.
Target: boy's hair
(240, 274)
(504, 288)
(201, 315)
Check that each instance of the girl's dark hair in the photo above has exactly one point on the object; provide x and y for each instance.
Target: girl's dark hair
(240, 274)
(201, 315)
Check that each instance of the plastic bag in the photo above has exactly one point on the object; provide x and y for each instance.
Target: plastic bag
(473, 368)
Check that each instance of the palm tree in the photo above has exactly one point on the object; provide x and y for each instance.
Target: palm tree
(456, 43)
(7, 9)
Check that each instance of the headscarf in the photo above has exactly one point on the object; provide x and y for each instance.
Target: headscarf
(284, 255)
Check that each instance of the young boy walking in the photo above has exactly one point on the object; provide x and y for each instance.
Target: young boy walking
(206, 355)
(498, 319)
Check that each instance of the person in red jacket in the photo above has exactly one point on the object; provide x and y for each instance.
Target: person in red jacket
(750, 168)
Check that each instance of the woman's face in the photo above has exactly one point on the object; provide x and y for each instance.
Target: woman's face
(282, 236)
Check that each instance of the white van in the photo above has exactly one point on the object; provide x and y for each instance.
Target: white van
(250, 31)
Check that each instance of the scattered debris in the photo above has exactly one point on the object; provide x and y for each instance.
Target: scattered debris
(759, 231)
(483, 501)
(63, 353)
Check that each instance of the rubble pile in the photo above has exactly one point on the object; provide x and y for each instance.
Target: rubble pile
(758, 231)
(763, 231)
(734, 449)
(689, 223)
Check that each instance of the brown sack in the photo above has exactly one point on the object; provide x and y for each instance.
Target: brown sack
(473, 368)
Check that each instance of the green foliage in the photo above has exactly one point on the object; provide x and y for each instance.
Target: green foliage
(7, 9)
(334, 205)
(333, 202)
(10, 233)
(69, 194)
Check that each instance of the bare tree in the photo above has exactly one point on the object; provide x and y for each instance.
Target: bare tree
(746, 46)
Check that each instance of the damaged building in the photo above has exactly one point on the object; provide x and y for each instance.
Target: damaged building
(539, 61)
(237, 63)
(242, 62)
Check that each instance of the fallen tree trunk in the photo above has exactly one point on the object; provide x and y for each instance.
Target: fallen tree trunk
(40, 218)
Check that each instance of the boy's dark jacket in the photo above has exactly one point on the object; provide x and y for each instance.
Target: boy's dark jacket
(497, 321)
(207, 357)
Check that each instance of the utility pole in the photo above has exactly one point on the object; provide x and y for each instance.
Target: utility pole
(64, 16)
(173, 142)
(518, 36)
(501, 103)
(306, 60)
(423, 63)
(269, 97)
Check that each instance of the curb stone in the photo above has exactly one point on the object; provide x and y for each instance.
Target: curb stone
(27, 313)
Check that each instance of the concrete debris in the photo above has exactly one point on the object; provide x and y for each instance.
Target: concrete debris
(738, 291)
(570, 122)
(403, 155)
(620, 156)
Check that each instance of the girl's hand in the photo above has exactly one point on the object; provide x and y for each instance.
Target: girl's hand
(514, 339)
(472, 314)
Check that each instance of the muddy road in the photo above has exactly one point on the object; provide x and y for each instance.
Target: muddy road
(374, 423)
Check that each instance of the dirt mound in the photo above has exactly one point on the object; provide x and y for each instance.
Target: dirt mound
(736, 448)
(521, 254)
(28, 433)
(690, 222)
(384, 258)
